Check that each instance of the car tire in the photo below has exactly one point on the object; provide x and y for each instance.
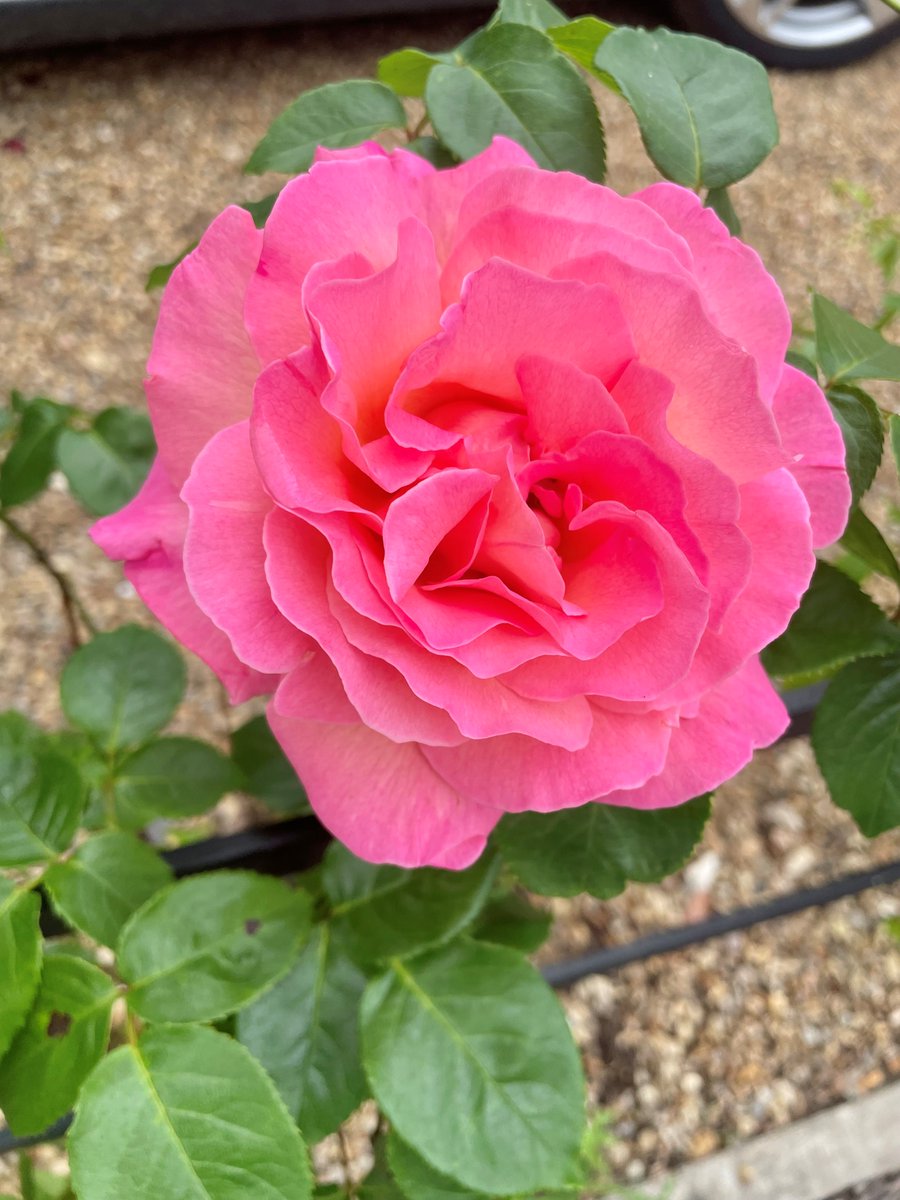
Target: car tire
(821, 33)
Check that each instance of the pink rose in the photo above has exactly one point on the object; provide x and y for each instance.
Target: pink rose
(496, 478)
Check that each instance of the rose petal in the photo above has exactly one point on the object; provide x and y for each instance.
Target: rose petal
(812, 436)
(224, 556)
(383, 800)
(149, 534)
(742, 297)
(202, 367)
(738, 716)
(520, 774)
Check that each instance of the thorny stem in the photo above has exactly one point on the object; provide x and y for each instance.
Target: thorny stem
(72, 606)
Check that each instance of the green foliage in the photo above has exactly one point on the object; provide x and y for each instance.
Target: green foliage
(64, 1037)
(41, 795)
(265, 771)
(108, 878)
(380, 912)
(479, 1021)
(863, 539)
(260, 210)
(160, 275)
(539, 14)
(856, 738)
(26, 468)
(107, 463)
(406, 71)
(123, 686)
(704, 110)
(894, 430)
(171, 777)
(580, 40)
(304, 1032)
(207, 946)
(509, 920)
(857, 415)
(509, 79)
(432, 151)
(20, 957)
(835, 624)
(849, 350)
(336, 115)
(419, 1181)
(189, 1114)
(597, 848)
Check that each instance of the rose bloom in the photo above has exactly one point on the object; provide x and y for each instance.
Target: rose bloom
(496, 479)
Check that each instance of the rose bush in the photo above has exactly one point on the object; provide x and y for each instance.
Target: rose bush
(497, 479)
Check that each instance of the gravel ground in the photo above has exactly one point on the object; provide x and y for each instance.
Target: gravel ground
(113, 159)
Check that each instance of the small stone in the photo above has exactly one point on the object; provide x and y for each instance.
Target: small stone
(704, 1142)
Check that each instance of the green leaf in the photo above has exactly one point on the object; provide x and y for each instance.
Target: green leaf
(432, 151)
(108, 878)
(304, 1032)
(539, 14)
(172, 777)
(122, 687)
(835, 624)
(31, 458)
(419, 1181)
(598, 847)
(719, 201)
(78, 748)
(207, 946)
(382, 911)
(581, 39)
(41, 795)
(864, 540)
(406, 71)
(336, 115)
(511, 921)
(704, 110)
(857, 414)
(261, 210)
(20, 957)
(267, 773)
(856, 739)
(106, 464)
(847, 349)
(186, 1113)
(160, 275)
(64, 1037)
(476, 1022)
(511, 80)
(803, 363)
(894, 429)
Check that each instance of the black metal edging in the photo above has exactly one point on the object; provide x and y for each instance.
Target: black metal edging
(611, 958)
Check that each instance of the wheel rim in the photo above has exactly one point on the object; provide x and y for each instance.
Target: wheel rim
(811, 26)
